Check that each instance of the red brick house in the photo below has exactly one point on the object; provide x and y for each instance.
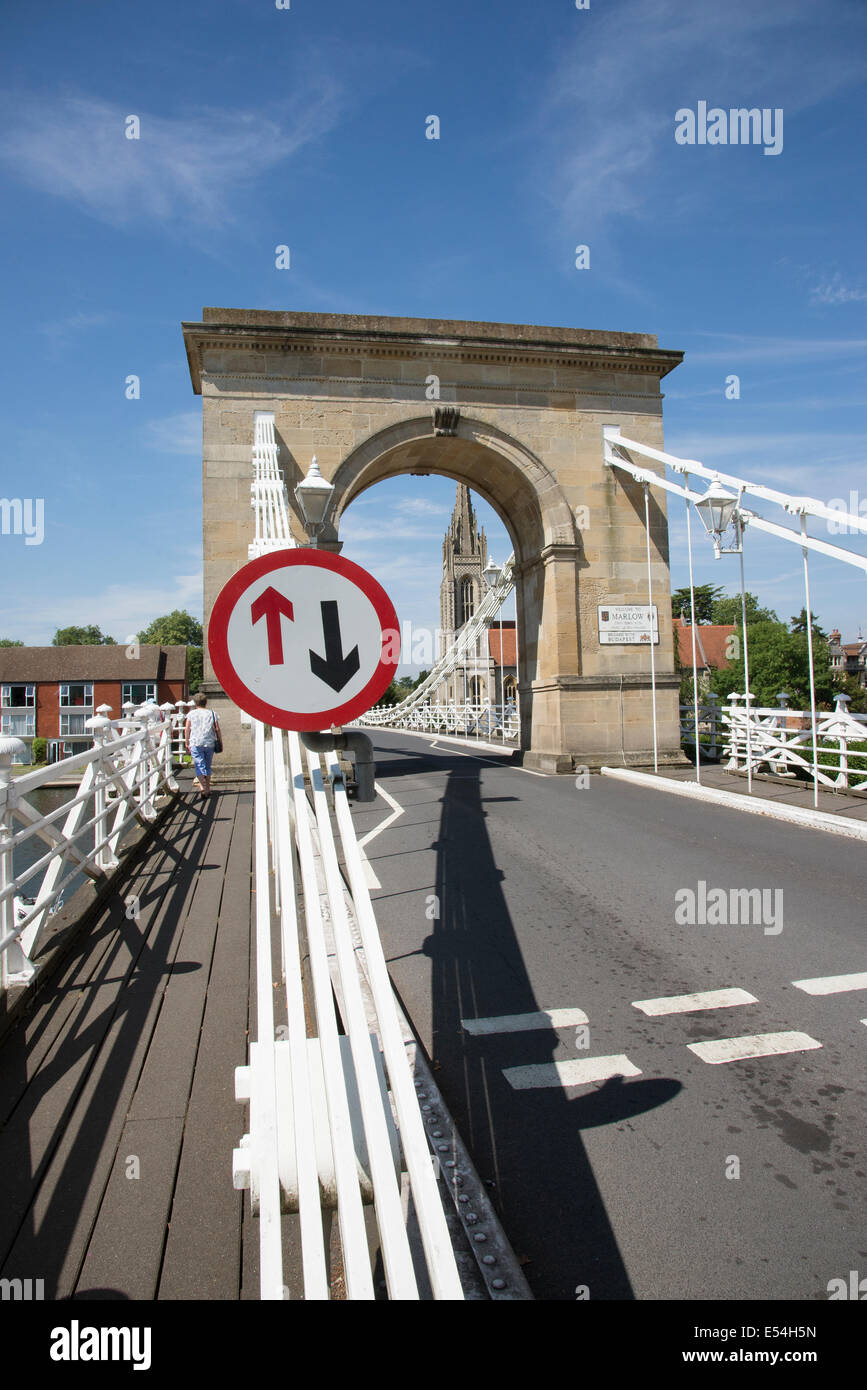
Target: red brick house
(49, 692)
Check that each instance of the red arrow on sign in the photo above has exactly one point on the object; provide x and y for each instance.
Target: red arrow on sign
(270, 605)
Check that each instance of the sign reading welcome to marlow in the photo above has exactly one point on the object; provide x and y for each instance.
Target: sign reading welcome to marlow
(626, 623)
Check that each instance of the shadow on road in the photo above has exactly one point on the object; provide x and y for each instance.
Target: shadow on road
(527, 1142)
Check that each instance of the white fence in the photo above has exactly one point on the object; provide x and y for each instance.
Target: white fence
(492, 722)
(334, 1123)
(121, 779)
(781, 741)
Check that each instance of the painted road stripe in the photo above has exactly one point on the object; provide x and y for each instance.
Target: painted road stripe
(832, 984)
(753, 1045)
(688, 1003)
(526, 1023)
(574, 1073)
(396, 811)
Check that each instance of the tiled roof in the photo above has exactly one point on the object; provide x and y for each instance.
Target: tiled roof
(508, 656)
(710, 643)
(36, 664)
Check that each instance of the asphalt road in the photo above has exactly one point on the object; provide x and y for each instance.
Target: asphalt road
(508, 893)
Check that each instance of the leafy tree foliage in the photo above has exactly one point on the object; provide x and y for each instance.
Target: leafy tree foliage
(705, 597)
(798, 623)
(778, 661)
(728, 610)
(713, 605)
(81, 637)
(176, 629)
(10, 642)
(389, 697)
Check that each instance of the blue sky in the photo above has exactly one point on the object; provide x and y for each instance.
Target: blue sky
(306, 126)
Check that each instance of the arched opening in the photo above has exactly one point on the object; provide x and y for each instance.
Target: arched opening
(524, 494)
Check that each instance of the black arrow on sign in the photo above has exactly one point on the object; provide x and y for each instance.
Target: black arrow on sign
(334, 668)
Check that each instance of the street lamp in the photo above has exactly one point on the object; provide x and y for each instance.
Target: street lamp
(493, 573)
(717, 509)
(314, 495)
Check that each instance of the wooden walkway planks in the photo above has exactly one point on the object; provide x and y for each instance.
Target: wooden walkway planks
(131, 1055)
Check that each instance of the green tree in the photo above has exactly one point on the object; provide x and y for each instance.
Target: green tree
(81, 637)
(845, 685)
(194, 668)
(10, 642)
(176, 629)
(392, 696)
(728, 610)
(706, 596)
(798, 623)
(778, 661)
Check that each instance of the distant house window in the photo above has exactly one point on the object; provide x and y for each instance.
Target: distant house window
(73, 724)
(18, 725)
(75, 695)
(18, 696)
(139, 692)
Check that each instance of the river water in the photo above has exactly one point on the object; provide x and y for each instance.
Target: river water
(43, 800)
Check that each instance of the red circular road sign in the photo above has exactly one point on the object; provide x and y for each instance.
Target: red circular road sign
(294, 629)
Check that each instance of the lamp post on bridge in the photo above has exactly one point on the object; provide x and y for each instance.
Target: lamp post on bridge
(493, 573)
(314, 496)
(719, 509)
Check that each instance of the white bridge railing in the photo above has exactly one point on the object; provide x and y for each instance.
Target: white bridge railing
(781, 741)
(121, 779)
(491, 722)
(335, 1123)
(334, 1117)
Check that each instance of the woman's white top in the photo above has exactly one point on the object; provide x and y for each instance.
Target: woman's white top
(202, 728)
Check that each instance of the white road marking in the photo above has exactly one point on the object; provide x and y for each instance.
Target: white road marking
(515, 767)
(526, 1023)
(396, 811)
(832, 984)
(752, 1045)
(573, 1073)
(369, 876)
(688, 1003)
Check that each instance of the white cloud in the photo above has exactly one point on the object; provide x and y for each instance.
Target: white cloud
(776, 350)
(182, 168)
(606, 118)
(119, 610)
(833, 291)
(177, 434)
(422, 506)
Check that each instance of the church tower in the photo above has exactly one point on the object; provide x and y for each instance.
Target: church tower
(465, 554)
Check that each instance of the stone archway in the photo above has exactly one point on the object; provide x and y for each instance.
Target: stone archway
(514, 410)
(529, 501)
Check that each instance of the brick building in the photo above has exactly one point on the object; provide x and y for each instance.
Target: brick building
(50, 692)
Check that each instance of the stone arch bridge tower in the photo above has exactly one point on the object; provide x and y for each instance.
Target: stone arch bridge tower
(513, 411)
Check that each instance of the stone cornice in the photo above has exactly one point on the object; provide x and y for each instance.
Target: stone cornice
(666, 680)
(338, 335)
(249, 383)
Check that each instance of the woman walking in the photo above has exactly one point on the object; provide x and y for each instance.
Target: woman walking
(200, 733)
